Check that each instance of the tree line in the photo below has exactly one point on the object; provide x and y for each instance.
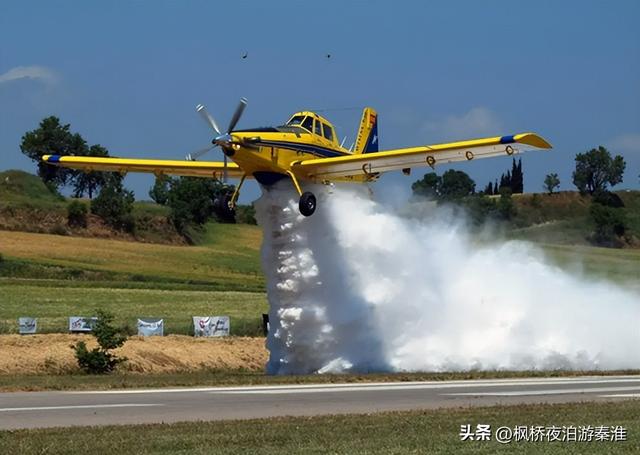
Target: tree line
(596, 171)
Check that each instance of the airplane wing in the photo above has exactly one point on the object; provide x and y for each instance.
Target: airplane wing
(367, 164)
(212, 169)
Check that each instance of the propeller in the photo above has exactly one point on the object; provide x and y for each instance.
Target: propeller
(220, 140)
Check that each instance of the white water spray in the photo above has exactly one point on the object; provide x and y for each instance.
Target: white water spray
(356, 288)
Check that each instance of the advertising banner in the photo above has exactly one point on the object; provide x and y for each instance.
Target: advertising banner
(150, 327)
(28, 325)
(211, 326)
(81, 324)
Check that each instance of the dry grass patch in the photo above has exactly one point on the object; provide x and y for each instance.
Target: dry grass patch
(51, 353)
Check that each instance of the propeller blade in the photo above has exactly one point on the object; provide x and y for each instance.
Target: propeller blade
(237, 114)
(198, 153)
(200, 109)
(225, 174)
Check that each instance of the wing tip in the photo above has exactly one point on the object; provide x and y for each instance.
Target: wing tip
(532, 139)
(51, 158)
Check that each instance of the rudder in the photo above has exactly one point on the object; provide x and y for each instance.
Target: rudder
(367, 139)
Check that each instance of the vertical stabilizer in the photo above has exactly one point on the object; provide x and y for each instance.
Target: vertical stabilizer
(367, 139)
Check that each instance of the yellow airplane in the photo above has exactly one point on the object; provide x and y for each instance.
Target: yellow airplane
(305, 149)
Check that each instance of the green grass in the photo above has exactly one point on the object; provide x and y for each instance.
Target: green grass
(429, 431)
(232, 259)
(620, 266)
(217, 378)
(53, 305)
(21, 189)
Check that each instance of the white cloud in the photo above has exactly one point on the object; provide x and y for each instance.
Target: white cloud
(478, 121)
(625, 143)
(29, 72)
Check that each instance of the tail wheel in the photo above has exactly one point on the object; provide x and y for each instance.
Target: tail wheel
(307, 204)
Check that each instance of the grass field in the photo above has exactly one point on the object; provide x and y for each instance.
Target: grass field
(433, 431)
(53, 277)
(54, 305)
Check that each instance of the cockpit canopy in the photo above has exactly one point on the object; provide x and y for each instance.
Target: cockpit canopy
(312, 123)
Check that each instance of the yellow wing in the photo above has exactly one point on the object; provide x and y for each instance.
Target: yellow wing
(211, 169)
(368, 164)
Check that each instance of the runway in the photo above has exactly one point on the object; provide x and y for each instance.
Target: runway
(54, 409)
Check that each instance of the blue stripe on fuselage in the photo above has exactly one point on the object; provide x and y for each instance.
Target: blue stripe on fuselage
(309, 148)
(507, 139)
(53, 159)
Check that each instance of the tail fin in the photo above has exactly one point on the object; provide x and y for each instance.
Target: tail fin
(367, 140)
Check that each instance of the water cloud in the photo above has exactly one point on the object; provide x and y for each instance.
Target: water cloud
(357, 288)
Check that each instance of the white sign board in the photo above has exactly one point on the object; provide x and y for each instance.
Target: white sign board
(211, 326)
(81, 324)
(150, 327)
(28, 325)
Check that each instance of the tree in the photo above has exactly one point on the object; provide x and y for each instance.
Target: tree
(159, 192)
(101, 360)
(456, 185)
(551, 182)
(488, 190)
(517, 179)
(428, 186)
(114, 204)
(52, 138)
(452, 185)
(90, 182)
(192, 201)
(596, 170)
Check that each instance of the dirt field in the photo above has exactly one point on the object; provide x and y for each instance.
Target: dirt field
(51, 353)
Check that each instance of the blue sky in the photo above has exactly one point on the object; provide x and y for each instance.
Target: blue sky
(128, 75)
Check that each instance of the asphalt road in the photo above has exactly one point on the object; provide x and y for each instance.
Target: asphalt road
(53, 409)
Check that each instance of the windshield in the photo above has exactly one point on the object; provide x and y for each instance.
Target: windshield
(295, 121)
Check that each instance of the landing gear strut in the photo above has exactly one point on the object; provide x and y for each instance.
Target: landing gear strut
(307, 203)
(225, 205)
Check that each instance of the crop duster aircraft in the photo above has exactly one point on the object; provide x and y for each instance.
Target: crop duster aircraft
(304, 150)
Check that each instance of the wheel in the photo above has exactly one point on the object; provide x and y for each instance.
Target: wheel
(222, 209)
(307, 204)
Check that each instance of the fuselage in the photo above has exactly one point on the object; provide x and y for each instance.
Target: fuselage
(266, 153)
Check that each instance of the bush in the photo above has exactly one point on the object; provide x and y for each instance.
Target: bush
(77, 214)
(114, 204)
(58, 229)
(506, 208)
(101, 360)
(610, 225)
(246, 214)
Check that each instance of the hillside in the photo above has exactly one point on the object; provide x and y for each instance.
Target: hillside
(563, 218)
(26, 204)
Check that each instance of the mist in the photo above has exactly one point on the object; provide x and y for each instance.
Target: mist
(358, 288)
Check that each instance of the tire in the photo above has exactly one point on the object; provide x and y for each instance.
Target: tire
(307, 204)
(222, 209)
